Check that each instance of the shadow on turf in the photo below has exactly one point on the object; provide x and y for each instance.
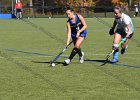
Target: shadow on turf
(64, 64)
(56, 63)
(115, 64)
(101, 61)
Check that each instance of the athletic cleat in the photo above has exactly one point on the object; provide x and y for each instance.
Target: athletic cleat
(114, 60)
(67, 61)
(124, 50)
(81, 59)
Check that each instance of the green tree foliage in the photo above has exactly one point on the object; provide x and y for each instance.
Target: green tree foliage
(71, 2)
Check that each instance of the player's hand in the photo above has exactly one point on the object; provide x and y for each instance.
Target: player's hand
(111, 31)
(78, 34)
(123, 39)
(127, 36)
(65, 47)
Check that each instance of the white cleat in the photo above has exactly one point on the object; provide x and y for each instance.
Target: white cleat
(67, 61)
(81, 59)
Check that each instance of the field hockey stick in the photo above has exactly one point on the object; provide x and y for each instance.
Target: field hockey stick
(107, 57)
(122, 41)
(57, 56)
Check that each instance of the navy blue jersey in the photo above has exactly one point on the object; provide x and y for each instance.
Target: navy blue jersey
(75, 26)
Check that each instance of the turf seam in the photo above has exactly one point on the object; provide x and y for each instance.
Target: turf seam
(124, 82)
(27, 68)
(43, 31)
(51, 55)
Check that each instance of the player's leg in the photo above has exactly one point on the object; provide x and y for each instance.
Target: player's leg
(17, 13)
(80, 52)
(124, 46)
(75, 50)
(78, 45)
(136, 13)
(117, 38)
(20, 13)
(67, 61)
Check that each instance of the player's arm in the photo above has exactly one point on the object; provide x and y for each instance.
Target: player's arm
(111, 31)
(127, 36)
(129, 30)
(83, 23)
(114, 24)
(127, 22)
(68, 33)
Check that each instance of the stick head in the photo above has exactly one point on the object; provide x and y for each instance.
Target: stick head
(106, 61)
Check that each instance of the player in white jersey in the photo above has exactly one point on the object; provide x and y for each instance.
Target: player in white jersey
(124, 29)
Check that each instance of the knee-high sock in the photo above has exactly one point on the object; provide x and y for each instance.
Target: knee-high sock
(79, 52)
(116, 54)
(73, 53)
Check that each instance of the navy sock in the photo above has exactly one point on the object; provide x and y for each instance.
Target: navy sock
(79, 52)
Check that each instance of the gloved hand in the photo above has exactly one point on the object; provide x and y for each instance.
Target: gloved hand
(111, 31)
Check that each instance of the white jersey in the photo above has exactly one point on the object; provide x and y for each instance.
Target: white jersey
(123, 22)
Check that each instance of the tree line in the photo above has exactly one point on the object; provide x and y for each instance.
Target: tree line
(72, 2)
(82, 2)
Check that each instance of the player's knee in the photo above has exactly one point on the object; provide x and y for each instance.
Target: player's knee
(75, 49)
(115, 46)
(77, 45)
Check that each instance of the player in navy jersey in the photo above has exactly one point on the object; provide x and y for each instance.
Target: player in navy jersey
(76, 29)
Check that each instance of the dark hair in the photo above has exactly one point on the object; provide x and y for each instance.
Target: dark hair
(118, 8)
(69, 8)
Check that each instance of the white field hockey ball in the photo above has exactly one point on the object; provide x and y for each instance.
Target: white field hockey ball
(53, 64)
